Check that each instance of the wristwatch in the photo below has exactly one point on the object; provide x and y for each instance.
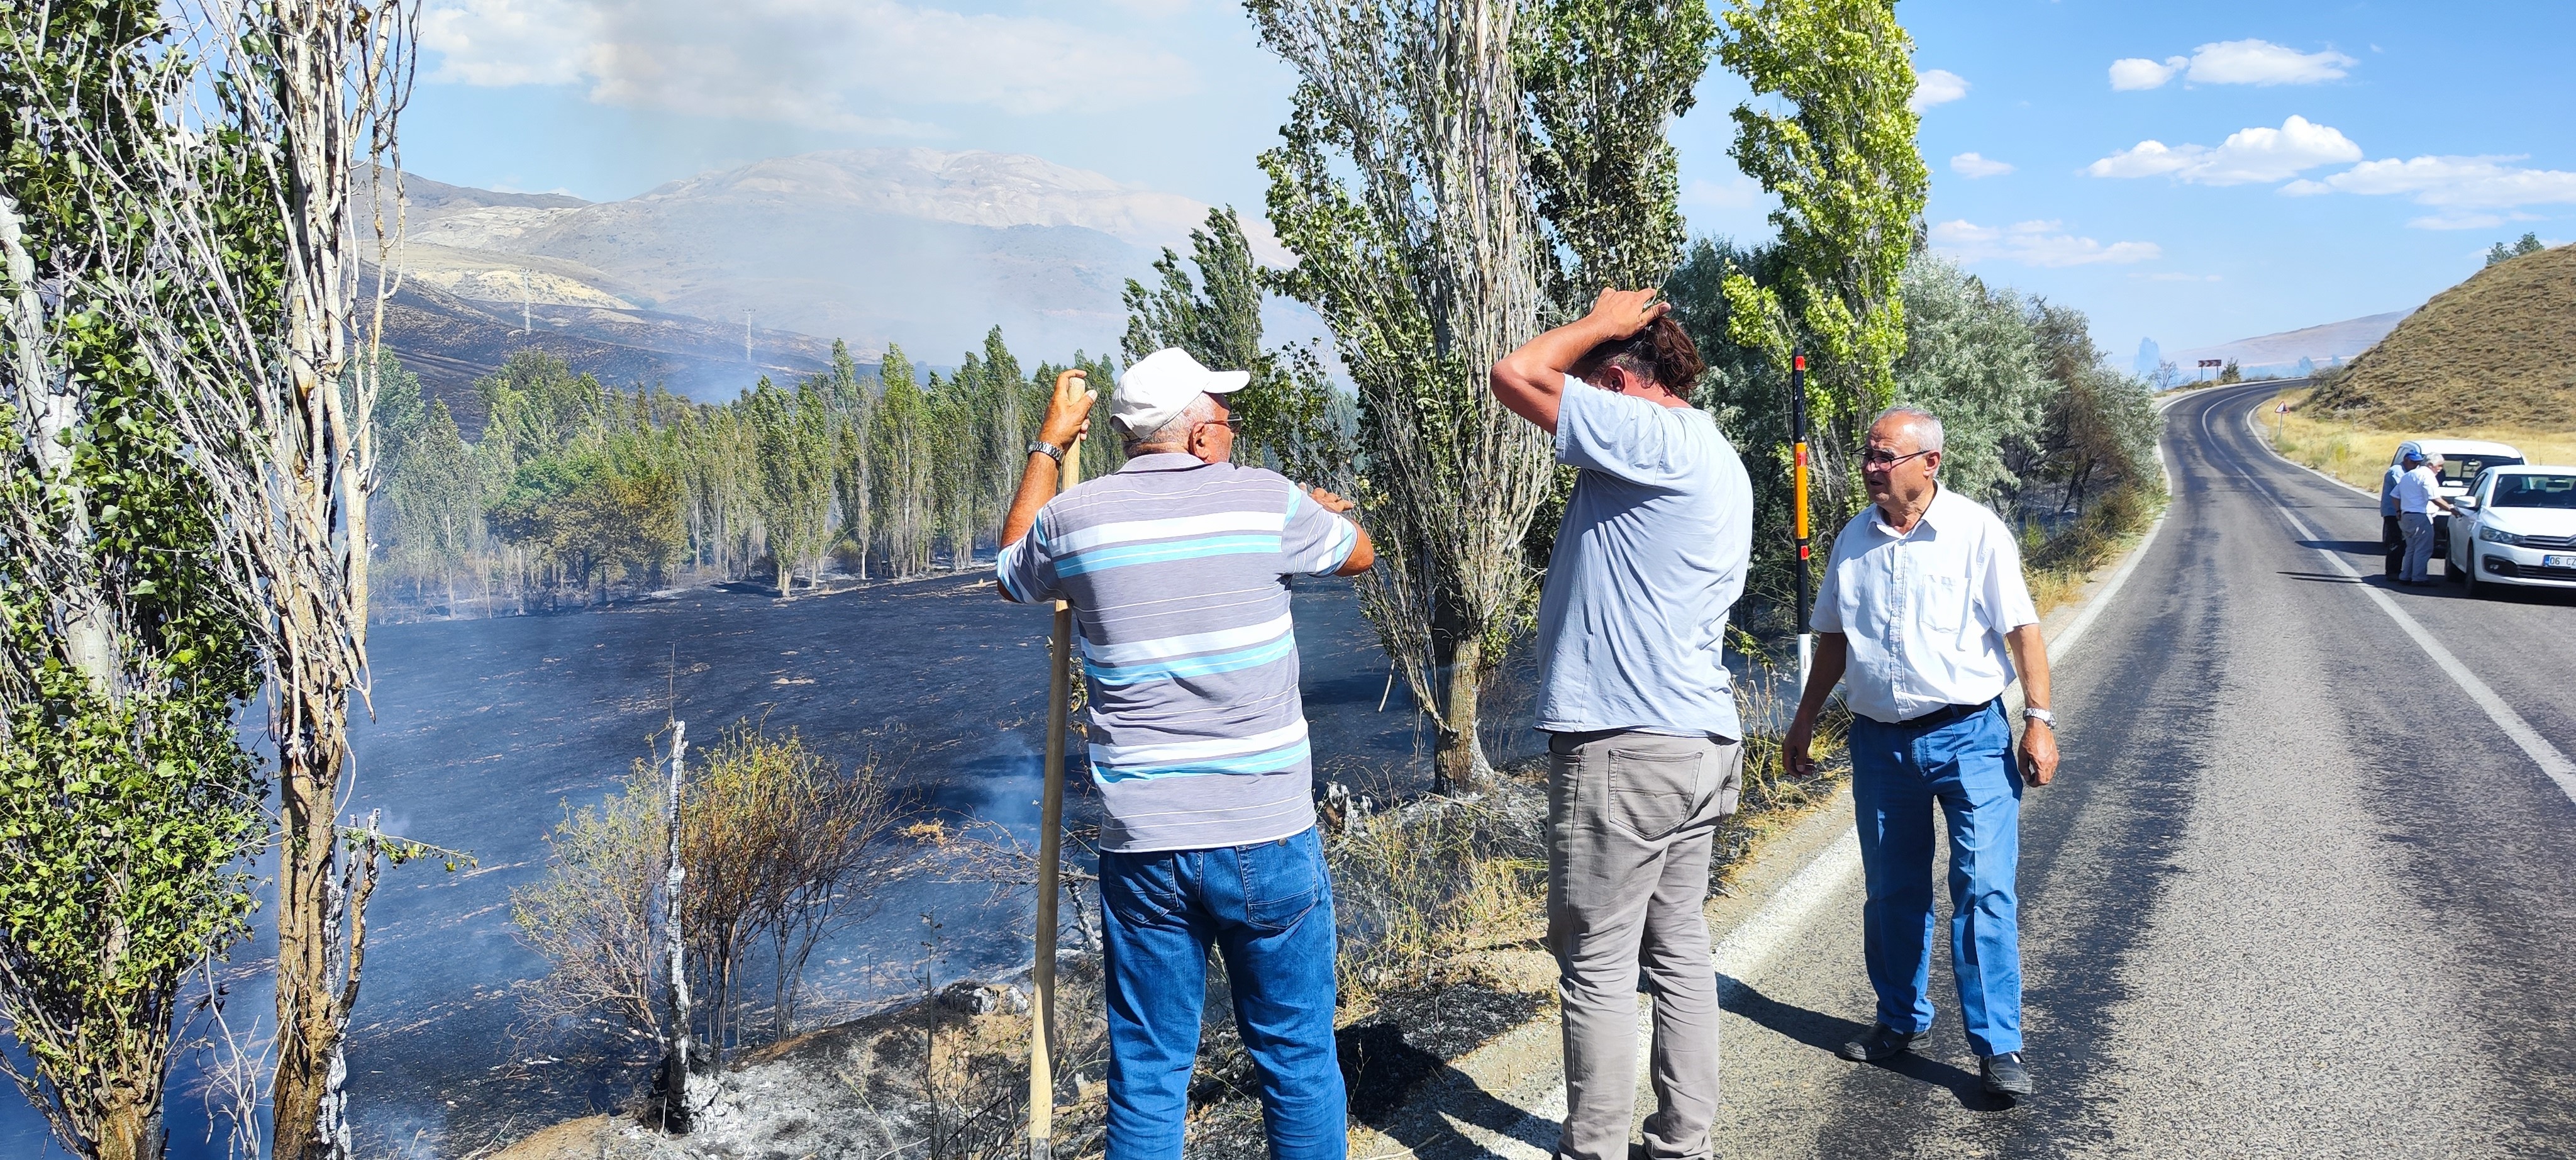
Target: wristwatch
(2042, 716)
(1050, 450)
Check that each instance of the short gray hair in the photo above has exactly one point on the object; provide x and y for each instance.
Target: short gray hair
(1175, 431)
(1925, 425)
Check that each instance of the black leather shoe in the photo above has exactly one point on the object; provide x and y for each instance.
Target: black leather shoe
(2005, 1075)
(1882, 1042)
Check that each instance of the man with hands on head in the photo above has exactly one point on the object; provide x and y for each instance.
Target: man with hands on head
(1176, 569)
(1924, 617)
(1644, 745)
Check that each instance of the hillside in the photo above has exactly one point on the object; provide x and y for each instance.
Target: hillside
(450, 341)
(2496, 350)
(914, 246)
(2280, 353)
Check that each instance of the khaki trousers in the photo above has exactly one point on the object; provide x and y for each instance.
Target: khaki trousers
(1629, 821)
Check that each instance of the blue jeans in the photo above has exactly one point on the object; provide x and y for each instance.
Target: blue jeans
(1269, 910)
(1898, 772)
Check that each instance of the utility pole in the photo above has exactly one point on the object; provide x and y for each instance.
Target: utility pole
(1798, 488)
(746, 334)
(527, 304)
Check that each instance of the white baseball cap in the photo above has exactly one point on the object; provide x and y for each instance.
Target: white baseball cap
(1162, 385)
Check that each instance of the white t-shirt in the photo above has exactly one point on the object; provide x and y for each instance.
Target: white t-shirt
(2416, 489)
(1924, 612)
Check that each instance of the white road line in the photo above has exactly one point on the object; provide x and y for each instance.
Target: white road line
(2547, 756)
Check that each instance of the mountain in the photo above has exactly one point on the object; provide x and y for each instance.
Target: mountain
(915, 246)
(2497, 349)
(459, 311)
(2280, 353)
(449, 341)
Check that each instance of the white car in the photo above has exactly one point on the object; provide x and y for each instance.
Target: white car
(2517, 525)
(2462, 461)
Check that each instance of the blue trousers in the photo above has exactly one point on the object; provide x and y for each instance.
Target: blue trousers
(1269, 910)
(1898, 772)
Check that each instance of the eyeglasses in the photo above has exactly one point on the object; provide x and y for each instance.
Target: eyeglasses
(1229, 423)
(1878, 460)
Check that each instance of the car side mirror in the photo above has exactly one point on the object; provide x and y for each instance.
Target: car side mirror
(2467, 501)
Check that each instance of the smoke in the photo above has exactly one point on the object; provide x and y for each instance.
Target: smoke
(820, 64)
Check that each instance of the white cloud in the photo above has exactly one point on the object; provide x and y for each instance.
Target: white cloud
(825, 65)
(1936, 87)
(2035, 243)
(2233, 62)
(2255, 154)
(2261, 62)
(2467, 221)
(2459, 182)
(1972, 166)
(2470, 193)
(2137, 72)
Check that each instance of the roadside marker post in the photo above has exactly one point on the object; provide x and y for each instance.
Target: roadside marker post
(1050, 854)
(1798, 487)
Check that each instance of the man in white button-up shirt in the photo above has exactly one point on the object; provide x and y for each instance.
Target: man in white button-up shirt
(2418, 492)
(1924, 618)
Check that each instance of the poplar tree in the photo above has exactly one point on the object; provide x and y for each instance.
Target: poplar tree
(1285, 411)
(1843, 162)
(852, 464)
(793, 458)
(127, 807)
(905, 462)
(1418, 136)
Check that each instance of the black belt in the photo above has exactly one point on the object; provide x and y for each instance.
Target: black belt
(1947, 714)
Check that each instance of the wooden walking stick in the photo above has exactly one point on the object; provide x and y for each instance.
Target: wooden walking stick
(1050, 852)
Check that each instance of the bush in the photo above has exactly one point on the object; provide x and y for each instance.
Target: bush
(780, 847)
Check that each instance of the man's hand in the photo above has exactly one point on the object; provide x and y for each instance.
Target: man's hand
(1620, 313)
(1530, 382)
(1363, 552)
(2038, 753)
(1332, 503)
(1068, 416)
(1797, 747)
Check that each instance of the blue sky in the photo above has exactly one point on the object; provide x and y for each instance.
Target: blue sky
(2191, 172)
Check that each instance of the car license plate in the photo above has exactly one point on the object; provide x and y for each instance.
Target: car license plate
(2558, 561)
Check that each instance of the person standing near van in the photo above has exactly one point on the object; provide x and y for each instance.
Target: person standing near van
(2392, 537)
(2418, 493)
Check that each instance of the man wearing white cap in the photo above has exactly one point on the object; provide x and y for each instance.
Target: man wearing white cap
(2419, 491)
(1176, 568)
(2392, 535)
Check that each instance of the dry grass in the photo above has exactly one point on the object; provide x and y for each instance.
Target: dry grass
(2056, 569)
(2357, 454)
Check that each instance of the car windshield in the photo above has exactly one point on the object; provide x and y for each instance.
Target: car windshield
(2461, 470)
(2535, 491)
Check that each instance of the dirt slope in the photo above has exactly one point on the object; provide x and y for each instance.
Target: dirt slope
(2498, 349)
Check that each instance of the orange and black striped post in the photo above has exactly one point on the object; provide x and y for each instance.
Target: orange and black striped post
(1798, 488)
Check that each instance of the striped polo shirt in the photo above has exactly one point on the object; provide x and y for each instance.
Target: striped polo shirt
(1177, 572)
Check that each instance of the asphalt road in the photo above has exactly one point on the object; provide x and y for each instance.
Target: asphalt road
(2293, 894)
